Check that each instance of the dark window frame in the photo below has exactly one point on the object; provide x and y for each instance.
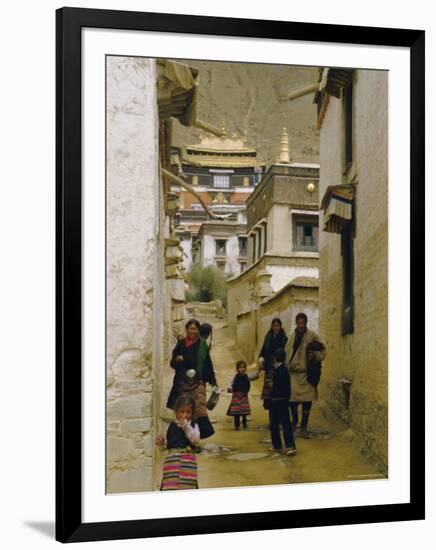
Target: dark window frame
(225, 248)
(348, 117)
(243, 250)
(305, 219)
(347, 252)
(265, 234)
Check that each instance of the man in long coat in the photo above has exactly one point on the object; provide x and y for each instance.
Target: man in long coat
(297, 357)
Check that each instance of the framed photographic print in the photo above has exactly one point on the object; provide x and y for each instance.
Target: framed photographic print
(240, 265)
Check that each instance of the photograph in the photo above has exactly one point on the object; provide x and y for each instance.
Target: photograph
(246, 231)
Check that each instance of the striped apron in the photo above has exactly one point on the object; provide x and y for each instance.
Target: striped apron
(180, 470)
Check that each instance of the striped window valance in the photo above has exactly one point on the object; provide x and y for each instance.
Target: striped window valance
(337, 205)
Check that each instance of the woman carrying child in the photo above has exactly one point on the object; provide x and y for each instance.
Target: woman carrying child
(239, 388)
(193, 368)
(180, 466)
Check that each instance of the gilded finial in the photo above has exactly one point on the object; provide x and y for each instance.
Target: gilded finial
(223, 129)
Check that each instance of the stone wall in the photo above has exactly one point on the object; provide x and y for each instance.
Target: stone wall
(361, 357)
(282, 269)
(134, 271)
(246, 335)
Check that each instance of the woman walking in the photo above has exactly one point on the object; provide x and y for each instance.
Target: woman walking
(194, 369)
(275, 339)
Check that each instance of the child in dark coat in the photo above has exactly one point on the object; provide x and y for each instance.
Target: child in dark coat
(280, 416)
(240, 406)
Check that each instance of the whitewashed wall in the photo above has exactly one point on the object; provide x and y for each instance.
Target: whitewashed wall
(279, 235)
(187, 252)
(281, 275)
(133, 272)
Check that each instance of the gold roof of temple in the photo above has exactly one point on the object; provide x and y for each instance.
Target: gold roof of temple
(223, 152)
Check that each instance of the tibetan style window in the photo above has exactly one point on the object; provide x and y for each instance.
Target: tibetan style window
(221, 181)
(220, 247)
(257, 178)
(305, 234)
(242, 246)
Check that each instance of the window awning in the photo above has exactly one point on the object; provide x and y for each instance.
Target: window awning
(337, 205)
(177, 87)
(177, 91)
(334, 79)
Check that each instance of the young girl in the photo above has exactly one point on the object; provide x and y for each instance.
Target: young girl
(240, 406)
(183, 435)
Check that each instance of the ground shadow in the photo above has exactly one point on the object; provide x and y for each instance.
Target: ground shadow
(47, 528)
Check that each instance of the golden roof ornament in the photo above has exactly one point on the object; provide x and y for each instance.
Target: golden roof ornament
(220, 198)
(226, 151)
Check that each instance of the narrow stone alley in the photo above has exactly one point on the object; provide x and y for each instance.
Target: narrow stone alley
(215, 215)
(241, 458)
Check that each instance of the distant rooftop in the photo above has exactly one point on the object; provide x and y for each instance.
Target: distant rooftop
(225, 152)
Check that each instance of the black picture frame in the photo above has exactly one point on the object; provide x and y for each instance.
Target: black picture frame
(69, 22)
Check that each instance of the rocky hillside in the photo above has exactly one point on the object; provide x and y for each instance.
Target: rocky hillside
(251, 98)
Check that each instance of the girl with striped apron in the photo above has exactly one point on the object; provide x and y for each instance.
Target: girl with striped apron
(240, 405)
(180, 469)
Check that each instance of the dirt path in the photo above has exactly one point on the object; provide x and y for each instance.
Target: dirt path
(240, 458)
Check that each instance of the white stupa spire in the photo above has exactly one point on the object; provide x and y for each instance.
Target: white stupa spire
(284, 148)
